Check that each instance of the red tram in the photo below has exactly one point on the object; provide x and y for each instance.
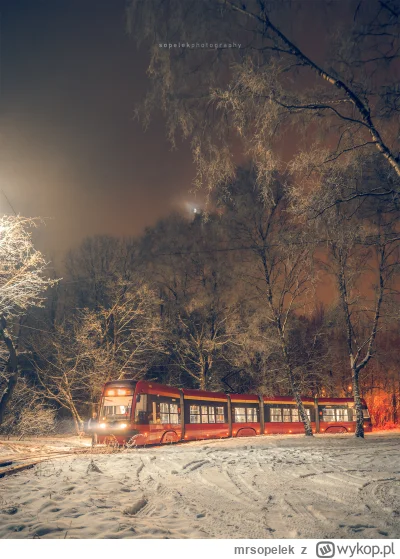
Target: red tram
(150, 413)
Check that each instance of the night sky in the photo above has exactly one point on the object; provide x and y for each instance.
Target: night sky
(70, 149)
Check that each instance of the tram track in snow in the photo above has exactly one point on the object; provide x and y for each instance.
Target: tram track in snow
(21, 458)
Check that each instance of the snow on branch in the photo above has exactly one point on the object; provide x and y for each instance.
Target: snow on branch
(22, 267)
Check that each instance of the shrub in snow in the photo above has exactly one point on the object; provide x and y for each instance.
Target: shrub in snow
(35, 420)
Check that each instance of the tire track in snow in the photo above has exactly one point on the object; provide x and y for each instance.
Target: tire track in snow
(166, 512)
(382, 498)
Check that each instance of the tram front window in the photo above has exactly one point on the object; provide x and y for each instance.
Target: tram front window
(117, 404)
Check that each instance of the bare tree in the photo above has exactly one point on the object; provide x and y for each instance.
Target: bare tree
(95, 346)
(131, 331)
(280, 265)
(95, 266)
(67, 365)
(22, 286)
(363, 257)
(198, 302)
(203, 339)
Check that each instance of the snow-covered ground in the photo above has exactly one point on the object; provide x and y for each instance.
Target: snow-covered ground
(264, 487)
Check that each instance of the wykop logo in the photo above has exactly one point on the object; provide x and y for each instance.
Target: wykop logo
(325, 550)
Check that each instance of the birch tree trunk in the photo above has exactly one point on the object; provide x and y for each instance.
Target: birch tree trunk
(358, 405)
(285, 352)
(360, 353)
(293, 385)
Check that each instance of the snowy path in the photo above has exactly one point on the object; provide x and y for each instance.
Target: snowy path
(264, 487)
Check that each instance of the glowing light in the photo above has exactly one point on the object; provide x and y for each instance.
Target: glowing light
(123, 426)
(102, 425)
(110, 392)
(121, 392)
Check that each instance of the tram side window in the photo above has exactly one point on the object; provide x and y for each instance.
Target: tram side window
(141, 410)
(164, 412)
(161, 409)
(253, 415)
(169, 412)
(239, 415)
(352, 413)
(195, 414)
(220, 414)
(328, 414)
(366, 413)
(333, 414)
(287, 414)
(296, 417)
(206, 414)
(245, 415)
(276, 415)
(342, 414)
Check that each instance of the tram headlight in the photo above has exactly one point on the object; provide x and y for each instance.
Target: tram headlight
(123, 426)
(102, 425)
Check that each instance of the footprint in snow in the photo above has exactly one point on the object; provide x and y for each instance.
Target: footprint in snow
(135, 507)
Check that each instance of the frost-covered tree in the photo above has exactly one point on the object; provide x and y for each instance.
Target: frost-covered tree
(259, 88)
(237, 77)
(362, 255)
(23, 282)
(277, 262)
(97, 345)
(199, 302)
(203, 339)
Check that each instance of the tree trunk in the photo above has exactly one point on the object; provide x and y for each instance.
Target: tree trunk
(77, 418)
(205, 369)
(357, 401)
(295, 391)
(394, 406)
(286, 357)
(7, 394)
(12, 368)
(300, 406)
(77, 421)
